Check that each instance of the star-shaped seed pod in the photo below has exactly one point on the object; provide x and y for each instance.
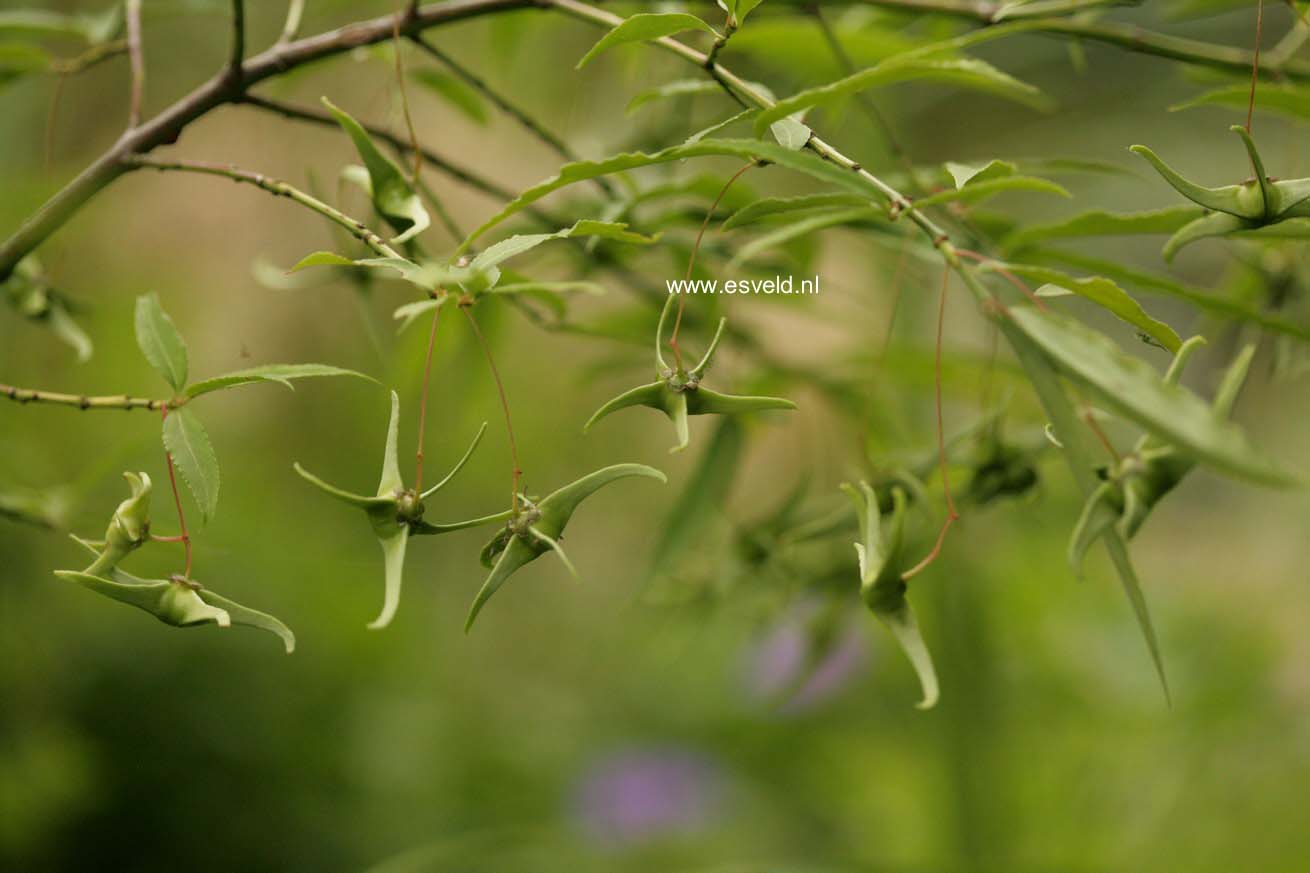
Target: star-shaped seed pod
(882, 585)
(396, 512)
(177, 601)
(538, 526)
(678, 392)
(1255, 203)
(1141, 479)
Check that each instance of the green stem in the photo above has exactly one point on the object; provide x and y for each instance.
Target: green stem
(82, 401)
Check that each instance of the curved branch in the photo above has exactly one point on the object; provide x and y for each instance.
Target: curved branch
(223, 88)
(275, 187)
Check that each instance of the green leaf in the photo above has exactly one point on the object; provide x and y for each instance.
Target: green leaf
(280, 373)
(705, 493)
(1148, 282)
(411, 312)
(771, 207)
(679, 88)
(1082, 463)
(193, 455)
(963, 174)
(1136, 391)
(454, 92)
(1099, 223)
(1105, 293)
(800, 161)
(802, 227)
(160, 342)
(965, 72)
(513, 246)
(1285, 98)
(393, 197)
(791, 133)
(643, 27)
(976, 191)
(92, 28)
(19, 59)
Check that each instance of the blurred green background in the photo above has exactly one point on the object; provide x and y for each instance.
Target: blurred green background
(581, 726)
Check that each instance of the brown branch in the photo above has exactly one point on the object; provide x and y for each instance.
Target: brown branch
(221, 89)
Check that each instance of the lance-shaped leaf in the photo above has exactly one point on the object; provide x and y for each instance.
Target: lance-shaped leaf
(282, 374)
(800, 161)
(178, 603)
(1104, 293)
(964, 72)
(882, 586)
(187, 442)
(1132, 388)
(29, 291)
(539, 527)
(455, 92)
(643, 27)
(160, 342)
(782, 207)
(393, 197)
(1099, 223)
(394, 513)
(678, 392)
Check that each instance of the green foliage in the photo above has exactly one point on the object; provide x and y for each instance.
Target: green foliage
(393, 196)
(643, 27)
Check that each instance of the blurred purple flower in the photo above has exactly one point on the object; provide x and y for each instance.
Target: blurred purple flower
(779, 669)
(642, 794)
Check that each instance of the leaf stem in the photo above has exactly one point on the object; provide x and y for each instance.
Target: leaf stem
(691, 262)
(951, 514)
(185, 537)
(517, 475)
(423, 402)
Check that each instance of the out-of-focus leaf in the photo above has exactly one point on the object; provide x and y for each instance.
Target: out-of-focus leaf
(963, 174)
(643, 27)
(802, 227)
(1135, 390)
(800, 161)
(280, 373)
(965, 72)
(393, 197)
(771, 207)
(159, 341)
(679, 88)
(193, 455)
(1039, 8)
(706, 490)
(1285, 98)
(92, 28)
(975, 191)
(454, 92)
(1099, 223)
